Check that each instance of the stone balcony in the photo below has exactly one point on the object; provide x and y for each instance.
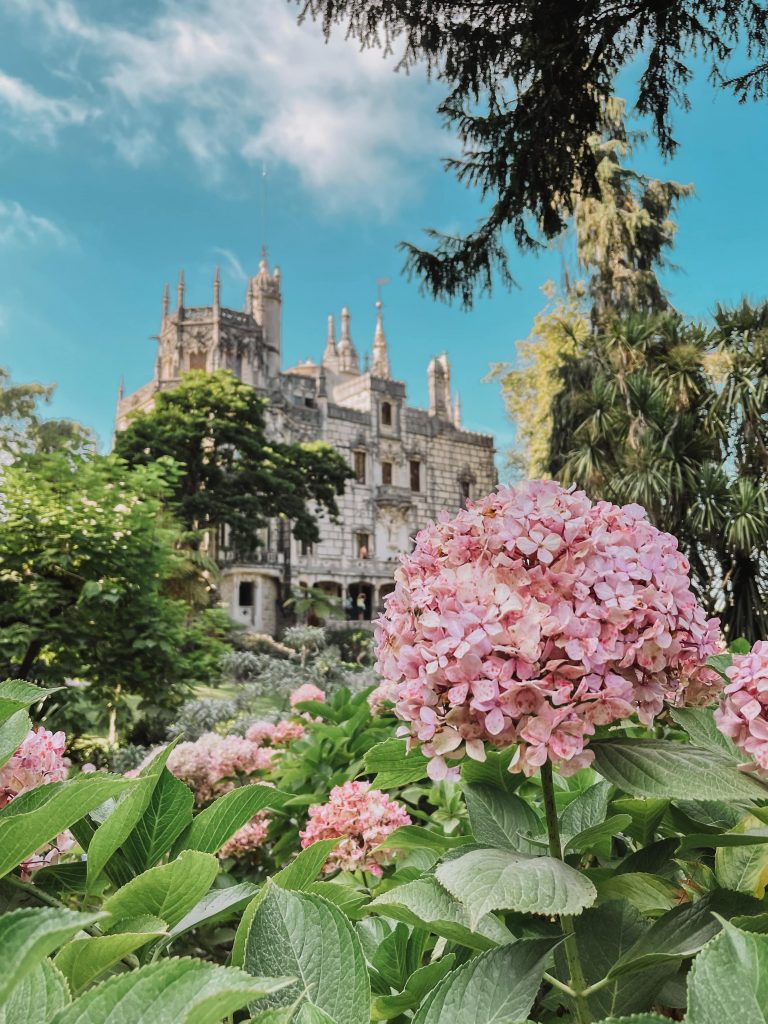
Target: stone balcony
(389, 496)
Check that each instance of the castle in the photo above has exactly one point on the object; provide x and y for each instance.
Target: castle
(409, 463)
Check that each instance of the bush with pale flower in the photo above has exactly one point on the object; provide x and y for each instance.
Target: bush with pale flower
(275, 734)
(743, 712)
(361, 818)
(212, 765)
(532, 617)
(38, 761)
(308, 691)
(248, 840)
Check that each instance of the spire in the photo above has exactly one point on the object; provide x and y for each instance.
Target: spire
(180, 291)
(331, 356)
(457, 411)
(166, 302)
(380, 366)
(348, 361)
(217, 289)
(121, 389)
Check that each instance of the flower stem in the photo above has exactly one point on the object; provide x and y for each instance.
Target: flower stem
(576, 978)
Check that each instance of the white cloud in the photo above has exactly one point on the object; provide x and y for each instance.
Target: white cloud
(20, 227)
(239, 79)
(233, 265)
(34, 114)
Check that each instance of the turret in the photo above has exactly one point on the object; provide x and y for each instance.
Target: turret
(380, 366)
(180, 293)
(265, 305)
(330, 355)
(348, 361)
(166, 305)
(457, 411)
(217, 292)
(439, 381)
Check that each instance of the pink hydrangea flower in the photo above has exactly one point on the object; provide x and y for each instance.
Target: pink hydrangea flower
(275, 734)
(382, 698)
(212, 764)
(38, 761)
(307, 691)
(248, 840)
(361, 818)
(743, 712)
(532, 617)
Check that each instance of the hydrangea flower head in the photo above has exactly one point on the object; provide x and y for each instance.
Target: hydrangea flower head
(307, 691)
(532, 617)
(211, 765)
(39, 760)
(743, 712)
(275, 734)
(248, 840)
(361, 818)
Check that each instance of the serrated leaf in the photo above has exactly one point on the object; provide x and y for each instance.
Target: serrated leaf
(599, 837)
(487, 880)
(30, 934)
(297, 935)
(589, 809)
(416, 837)
(603, 935)
(16, 694)
(417, 987)
(12, 733)
(182, 991)
(500, 819)
(663, 768)
(37, 816)
(649, 893)
(305, 868)
(214, 905)
(83, 960)
(729, 980)
(212, 827)
(350, 901)
(646, 816)
(311, 1014)
(493, 771)
(700, 725)
(393, 766)
(684, 930)
(499, 985)
(168, 813)
(169, 891)
(744, 867)
(424, 903)
(122, 819)
(37, 997)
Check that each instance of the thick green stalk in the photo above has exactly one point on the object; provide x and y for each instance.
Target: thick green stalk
(576, 974)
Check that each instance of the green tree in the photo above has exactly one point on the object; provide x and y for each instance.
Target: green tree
(234, 477)
(530, 387)
(24, 429)
(87, 560)
(526, 90)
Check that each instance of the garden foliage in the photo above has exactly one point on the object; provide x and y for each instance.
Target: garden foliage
(312, 871)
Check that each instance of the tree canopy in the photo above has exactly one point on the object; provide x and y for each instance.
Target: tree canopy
(234, 478)
(527, 86)
(24, 429)
(88, 568)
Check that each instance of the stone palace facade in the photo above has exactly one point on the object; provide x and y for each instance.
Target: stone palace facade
(409, 463)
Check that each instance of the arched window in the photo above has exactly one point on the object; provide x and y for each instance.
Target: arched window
(386, 414)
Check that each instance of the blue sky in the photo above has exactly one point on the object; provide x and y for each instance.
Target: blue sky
(131, 144)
